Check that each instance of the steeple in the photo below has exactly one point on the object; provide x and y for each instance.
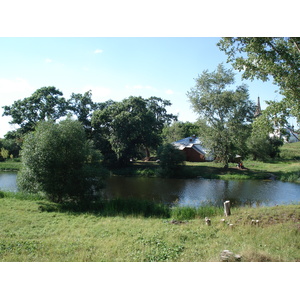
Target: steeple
(258, 108)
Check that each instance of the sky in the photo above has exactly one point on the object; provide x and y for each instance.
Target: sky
(113, 68)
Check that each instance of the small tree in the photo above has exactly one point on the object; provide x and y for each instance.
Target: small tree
(4, 153)
(59, 161)
(171, 160)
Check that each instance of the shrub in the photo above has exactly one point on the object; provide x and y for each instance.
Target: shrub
(58, 160)
(171, 160)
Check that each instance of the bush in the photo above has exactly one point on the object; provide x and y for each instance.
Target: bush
(58, 160)
(171, 160)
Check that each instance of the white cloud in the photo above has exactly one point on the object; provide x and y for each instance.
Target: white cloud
(98, 92)
(169, 92)
(48, 60)
(14, 89)
(97, 51)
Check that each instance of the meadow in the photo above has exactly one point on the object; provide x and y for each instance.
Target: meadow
(35, 230)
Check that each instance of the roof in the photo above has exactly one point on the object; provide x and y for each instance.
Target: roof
(191, 142)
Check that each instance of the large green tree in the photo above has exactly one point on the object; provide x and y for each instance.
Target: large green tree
(58, 160)
(225, 114)
(131, 124)
(44, 104)
(265, 58)
(82, 106)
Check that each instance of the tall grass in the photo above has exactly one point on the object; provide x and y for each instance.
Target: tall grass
(189, 213)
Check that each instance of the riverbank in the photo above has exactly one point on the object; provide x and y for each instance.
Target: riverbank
(10, 165)
(33, 229)
(285, 168)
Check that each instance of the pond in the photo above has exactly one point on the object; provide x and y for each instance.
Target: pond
(192, 192)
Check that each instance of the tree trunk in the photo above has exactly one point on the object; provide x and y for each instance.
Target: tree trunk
(147, 153)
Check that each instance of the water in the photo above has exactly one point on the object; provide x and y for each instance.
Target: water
(196, 192)
(192, 192)
(8, 181)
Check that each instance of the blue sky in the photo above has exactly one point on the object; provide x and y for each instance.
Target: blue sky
(113, 68)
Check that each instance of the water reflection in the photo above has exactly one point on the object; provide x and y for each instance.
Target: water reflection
(192, 192)
(196, 192)
(8, 181)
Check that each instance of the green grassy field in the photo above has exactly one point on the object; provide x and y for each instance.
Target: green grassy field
(33, 229)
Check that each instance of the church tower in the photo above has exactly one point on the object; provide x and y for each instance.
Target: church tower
(258, 109)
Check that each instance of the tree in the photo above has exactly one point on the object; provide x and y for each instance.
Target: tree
(265, 58)
(225, 114)
(179, 130)
(83, 107)
(58, 160)
(4, 153)
(13, 141)
(44, 104)
(130, 125)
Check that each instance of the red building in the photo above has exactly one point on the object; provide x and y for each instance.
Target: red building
(193, 149)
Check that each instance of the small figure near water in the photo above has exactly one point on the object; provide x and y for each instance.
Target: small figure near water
(240, 165)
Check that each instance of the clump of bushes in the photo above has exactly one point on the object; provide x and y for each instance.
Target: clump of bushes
(171, 161)
(58, 160)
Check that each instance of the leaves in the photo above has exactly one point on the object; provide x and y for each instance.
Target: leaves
(45, 103)
(265, 58)
(131, 124)
(225, 113)
(59, 161)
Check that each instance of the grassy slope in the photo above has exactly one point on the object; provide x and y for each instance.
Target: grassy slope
(28, 233)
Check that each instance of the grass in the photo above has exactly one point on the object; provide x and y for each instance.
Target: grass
(33, 229)
(285, 168)
(10, 165)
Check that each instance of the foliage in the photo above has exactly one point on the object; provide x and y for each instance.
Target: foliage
(45, 103)
(83, 107)
(225, 114)
(265, 58)
(59, 161)
(263, 147)
(13, 141)
(130, 125)
(179, 130)
(171, 160)
(4, 153)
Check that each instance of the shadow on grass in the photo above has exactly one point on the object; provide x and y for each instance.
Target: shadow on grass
(111, 208)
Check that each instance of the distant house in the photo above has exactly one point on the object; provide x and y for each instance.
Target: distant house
(290, 135)
(193, 149)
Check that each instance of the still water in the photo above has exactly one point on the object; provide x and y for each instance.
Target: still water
(192, 192)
